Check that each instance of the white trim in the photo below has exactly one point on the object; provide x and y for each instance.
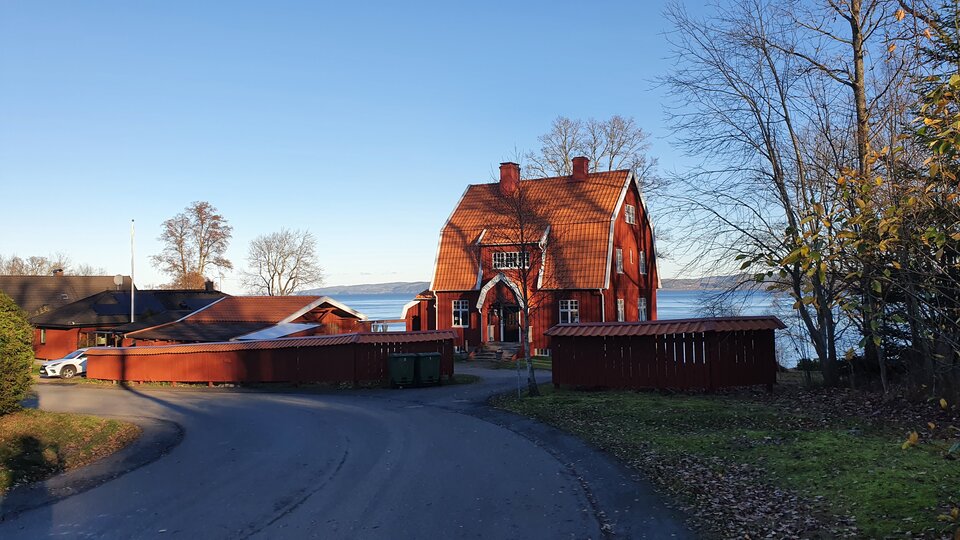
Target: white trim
(653, 234)
(543, 257)
(454, 310)
(406, 307)
(603, 307)
(436, 258)
(316, 303)
(493, 281)
(613, 222)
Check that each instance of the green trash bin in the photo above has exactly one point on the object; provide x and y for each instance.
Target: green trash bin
(428, 368)
(403, 368)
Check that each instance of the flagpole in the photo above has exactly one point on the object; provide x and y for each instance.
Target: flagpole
(132, 233)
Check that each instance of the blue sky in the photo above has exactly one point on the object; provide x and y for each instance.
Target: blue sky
(361, 122)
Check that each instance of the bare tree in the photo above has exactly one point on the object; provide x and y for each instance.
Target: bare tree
(282, 263)
(194, 241)
(34, 265)
(617, 143)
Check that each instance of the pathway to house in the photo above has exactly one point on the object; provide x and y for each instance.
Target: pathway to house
(418, 463)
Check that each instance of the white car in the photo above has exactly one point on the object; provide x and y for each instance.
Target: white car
(66, 367)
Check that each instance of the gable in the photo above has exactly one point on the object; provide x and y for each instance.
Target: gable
(577, 214)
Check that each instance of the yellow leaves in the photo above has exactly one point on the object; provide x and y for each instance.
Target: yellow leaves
(841, 180)
(953, 516)
(891, 47)
(931, 425)
(878, 181)
(943, 404)
(912, 440)
(899, 14)
(928, 33)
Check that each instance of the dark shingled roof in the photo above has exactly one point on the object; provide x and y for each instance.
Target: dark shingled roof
(39, 294)
(112, 309)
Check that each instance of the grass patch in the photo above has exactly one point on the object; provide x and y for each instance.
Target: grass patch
(853, 467)
(35, 445)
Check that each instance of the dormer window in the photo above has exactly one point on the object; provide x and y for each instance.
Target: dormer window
(630, 214)
(506, 260)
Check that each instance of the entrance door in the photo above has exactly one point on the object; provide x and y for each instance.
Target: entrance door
(511, 324)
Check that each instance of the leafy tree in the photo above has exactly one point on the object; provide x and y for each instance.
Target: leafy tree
(282, 263)
(194, 242)
(16, 355)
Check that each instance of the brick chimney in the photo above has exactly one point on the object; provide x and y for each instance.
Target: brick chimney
(208, 286)
(509, 178)
(581, 166)
(58, 272)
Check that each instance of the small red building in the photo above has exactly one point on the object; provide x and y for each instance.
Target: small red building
(237, 318)
(583, 244)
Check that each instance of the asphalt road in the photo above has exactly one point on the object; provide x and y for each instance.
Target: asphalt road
(417, 463)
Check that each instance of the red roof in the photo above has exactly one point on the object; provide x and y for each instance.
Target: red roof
(667, 326)
(578, 215)
(266, 309)
(235, 316)
(282, 343)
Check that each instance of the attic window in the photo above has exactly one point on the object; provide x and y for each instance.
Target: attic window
(630, 214)
(64, 297)
(510, 259)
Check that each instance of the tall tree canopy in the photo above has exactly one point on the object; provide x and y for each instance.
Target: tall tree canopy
(194, 242)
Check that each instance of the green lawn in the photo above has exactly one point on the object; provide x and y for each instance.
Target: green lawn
(854, 467)
(36, 444)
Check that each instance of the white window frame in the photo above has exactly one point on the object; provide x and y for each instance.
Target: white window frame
(619, 255)
(642, 309)
(43, 336)
(630, 214)
(643, 262)
(510, 260)
(461, 307)
(570, 309)
(620, 317)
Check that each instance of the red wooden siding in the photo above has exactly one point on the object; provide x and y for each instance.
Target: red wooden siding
(58, 343)
(677, 356)
(355, 358)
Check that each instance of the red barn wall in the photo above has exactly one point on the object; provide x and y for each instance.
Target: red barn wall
(631, 284)
(59, 342)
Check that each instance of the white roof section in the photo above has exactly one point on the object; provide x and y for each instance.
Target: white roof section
(277, 331)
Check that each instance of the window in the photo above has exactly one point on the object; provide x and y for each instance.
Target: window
(569, 311)
(643, 263)
(510, 259)
(642, 309)
(620, 310)
(619, 261)
(630, 214)
(43, 336)
(461, 313)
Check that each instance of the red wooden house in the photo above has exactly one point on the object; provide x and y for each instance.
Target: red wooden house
(582, 244)
(240, 318)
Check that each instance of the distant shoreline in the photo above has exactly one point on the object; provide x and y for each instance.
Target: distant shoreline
(710, 283)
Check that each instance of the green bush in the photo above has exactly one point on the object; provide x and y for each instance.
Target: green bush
(16, 355)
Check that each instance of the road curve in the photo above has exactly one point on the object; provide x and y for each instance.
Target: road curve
(421, 463)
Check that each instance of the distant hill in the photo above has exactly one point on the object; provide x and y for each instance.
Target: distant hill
(395, 287)
(705, 283)
(414, 287)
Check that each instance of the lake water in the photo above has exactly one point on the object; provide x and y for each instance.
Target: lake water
(671, 304)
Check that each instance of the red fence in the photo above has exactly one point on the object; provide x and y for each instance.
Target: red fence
(350, 358)
(683, 354)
